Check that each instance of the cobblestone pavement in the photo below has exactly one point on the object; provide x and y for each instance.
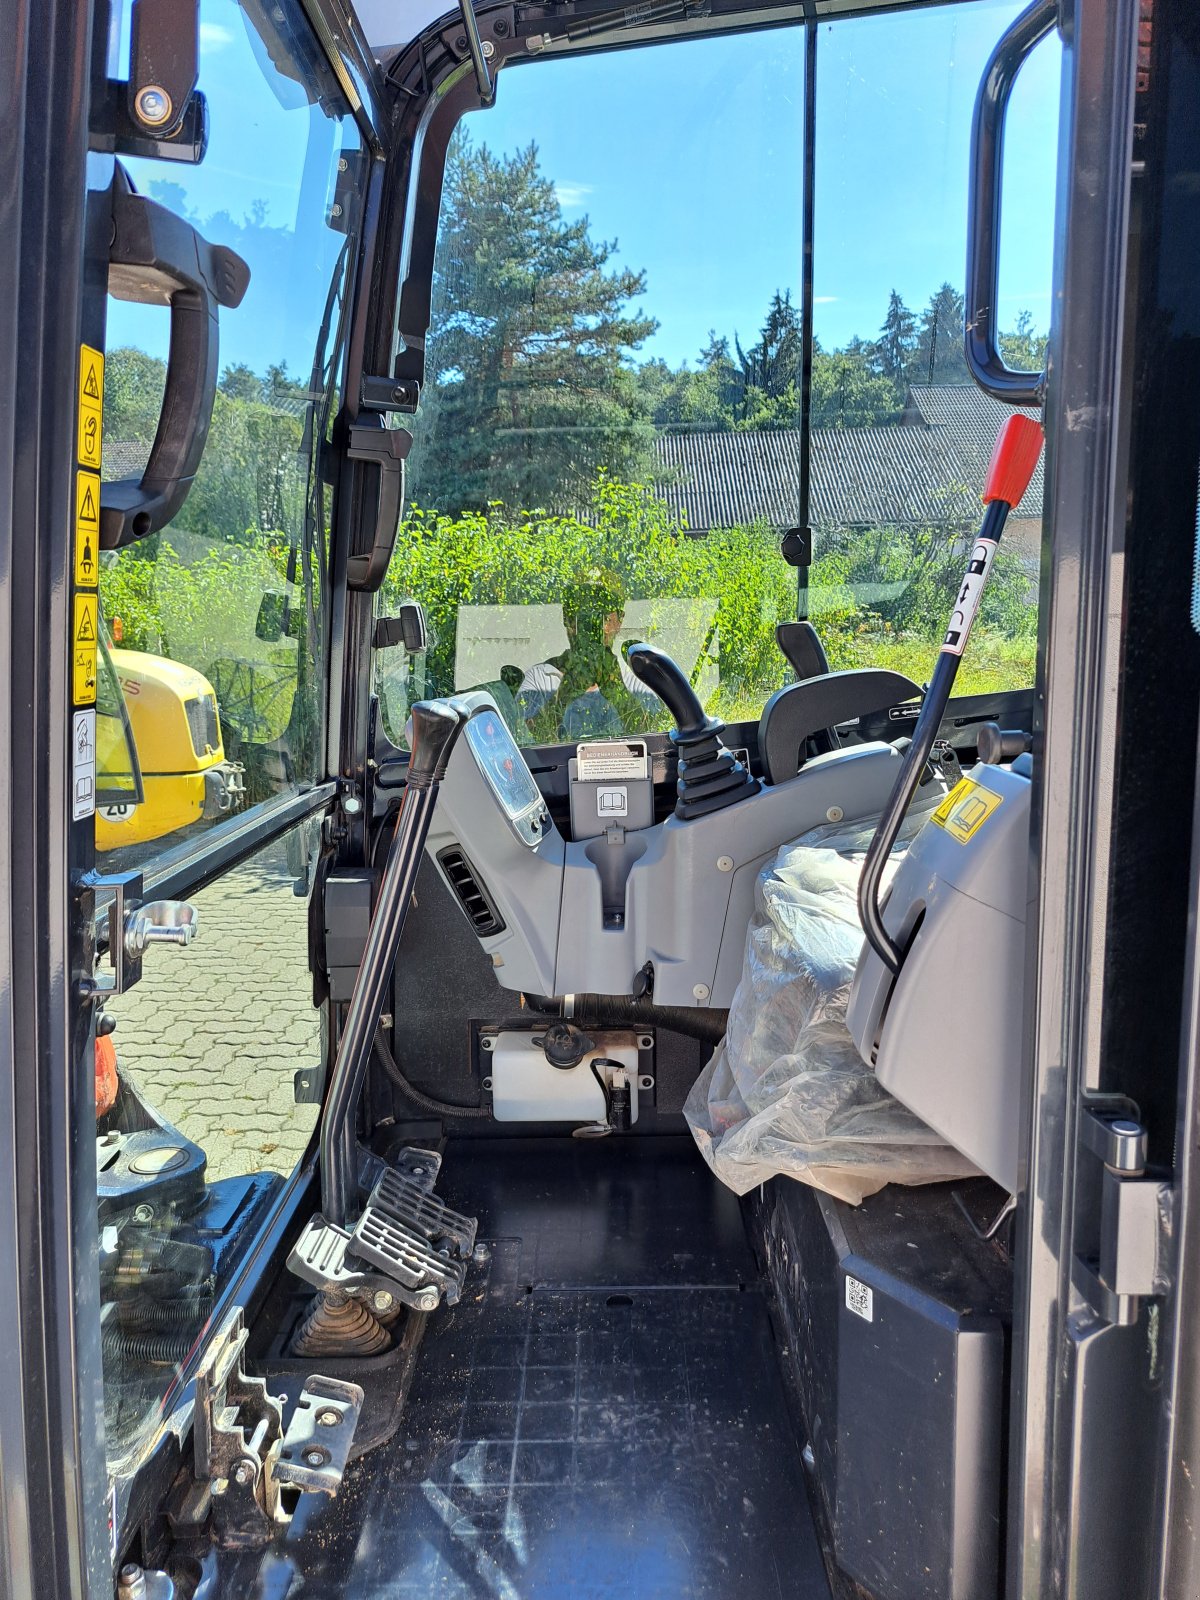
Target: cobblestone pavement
(213, 1035)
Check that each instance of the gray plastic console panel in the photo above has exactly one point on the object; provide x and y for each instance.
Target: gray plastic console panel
(586, 916)
(944, 1035)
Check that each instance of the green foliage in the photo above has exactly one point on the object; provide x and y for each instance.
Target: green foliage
(631, 549)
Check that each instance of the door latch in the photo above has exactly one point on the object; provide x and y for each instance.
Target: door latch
(133, 926)
(1125, 1213)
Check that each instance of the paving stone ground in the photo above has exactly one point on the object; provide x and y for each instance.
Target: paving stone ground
(213, 1035)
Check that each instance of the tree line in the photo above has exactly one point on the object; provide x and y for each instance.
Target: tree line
(533, 382)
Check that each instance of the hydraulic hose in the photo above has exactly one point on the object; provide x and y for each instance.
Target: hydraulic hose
(624, 1011)
(439, 1108)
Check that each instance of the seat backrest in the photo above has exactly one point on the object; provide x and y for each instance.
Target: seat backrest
(814, 708)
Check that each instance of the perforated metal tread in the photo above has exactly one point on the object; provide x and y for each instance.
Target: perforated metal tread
(412, 1238)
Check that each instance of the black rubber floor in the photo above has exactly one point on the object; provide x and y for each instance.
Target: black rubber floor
(602, 1415)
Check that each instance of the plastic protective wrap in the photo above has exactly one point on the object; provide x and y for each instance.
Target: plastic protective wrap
(786, 1091)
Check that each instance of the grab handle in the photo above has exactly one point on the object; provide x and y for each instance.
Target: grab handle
(156, 258)
(1013, 462)
(984, 361)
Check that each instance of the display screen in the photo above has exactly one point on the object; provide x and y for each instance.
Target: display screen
(502, 764)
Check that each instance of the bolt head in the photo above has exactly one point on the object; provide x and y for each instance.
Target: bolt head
(480, 1253)
(328, 1417)
(382, 1300)
(427, 1300)
(315, 1457)
(153, 105)
(489, 49)
(244, 1473)
(143, 1213)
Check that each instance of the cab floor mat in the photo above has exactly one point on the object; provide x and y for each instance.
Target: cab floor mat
(595, 1440)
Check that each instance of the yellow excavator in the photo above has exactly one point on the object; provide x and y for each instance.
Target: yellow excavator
(160, 758)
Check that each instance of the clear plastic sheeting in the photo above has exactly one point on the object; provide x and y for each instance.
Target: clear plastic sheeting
(787, 1092)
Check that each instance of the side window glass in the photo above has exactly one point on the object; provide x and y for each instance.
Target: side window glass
(211, 707)
(216, 626)
(901, 435)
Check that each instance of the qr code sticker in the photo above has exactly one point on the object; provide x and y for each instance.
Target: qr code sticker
(860, 1299)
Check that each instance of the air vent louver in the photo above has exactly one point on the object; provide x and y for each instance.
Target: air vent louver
(471, 894)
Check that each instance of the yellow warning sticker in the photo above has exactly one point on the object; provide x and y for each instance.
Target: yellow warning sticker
(966, 808)
(83, 649)
(91, 405)
(87, 529)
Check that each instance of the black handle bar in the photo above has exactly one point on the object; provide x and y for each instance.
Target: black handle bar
(984, 361)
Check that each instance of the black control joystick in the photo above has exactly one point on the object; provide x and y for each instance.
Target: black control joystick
(710, 776)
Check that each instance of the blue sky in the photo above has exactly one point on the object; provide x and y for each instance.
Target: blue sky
(688, 154)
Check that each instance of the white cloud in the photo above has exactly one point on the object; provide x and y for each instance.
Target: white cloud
(824, 299)
(571, 194)
(214, 37)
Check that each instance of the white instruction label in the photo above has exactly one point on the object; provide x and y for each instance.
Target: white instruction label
(83, 765)
(860, 1298)
(612, 802)
(612, 758)
(970, 593)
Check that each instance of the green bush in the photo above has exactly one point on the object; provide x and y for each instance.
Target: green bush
(877, 596)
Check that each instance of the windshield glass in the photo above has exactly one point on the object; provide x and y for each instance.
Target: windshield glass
(609, 440)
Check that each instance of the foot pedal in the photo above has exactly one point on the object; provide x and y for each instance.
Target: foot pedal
(406, 1241)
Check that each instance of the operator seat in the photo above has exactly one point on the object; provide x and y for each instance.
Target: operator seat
(801, 719)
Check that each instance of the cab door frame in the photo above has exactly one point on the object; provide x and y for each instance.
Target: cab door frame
(59, 1529)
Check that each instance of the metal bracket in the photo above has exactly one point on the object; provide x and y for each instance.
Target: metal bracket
(133, 926)
(164, 63)
(1126, 1213)
(244, 1459)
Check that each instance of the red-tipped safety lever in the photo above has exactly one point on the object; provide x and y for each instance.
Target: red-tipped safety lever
(1014, 460)
(1018, 447)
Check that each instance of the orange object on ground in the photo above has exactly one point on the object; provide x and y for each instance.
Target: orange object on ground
(107, 1082)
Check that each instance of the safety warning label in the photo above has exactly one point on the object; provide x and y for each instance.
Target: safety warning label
(965, 809)
(91, 405)
(87, 529)
(83, 765)
(83, 649)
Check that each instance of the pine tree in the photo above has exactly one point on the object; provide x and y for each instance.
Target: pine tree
(939, 357)
(897, 340)
(528, 386)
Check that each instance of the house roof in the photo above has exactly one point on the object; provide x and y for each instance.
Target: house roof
(859, 476)
(928, 468)
(970, 421)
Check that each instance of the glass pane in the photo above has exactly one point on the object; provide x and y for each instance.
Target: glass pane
(605, 449)
(211, 701)
(216, 625)
(901, 435)
(203, 1120)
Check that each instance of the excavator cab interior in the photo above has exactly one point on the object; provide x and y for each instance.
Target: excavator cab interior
(603, 684)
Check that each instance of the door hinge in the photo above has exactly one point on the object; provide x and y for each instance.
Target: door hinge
(1124, 1213)
(248, 1469)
